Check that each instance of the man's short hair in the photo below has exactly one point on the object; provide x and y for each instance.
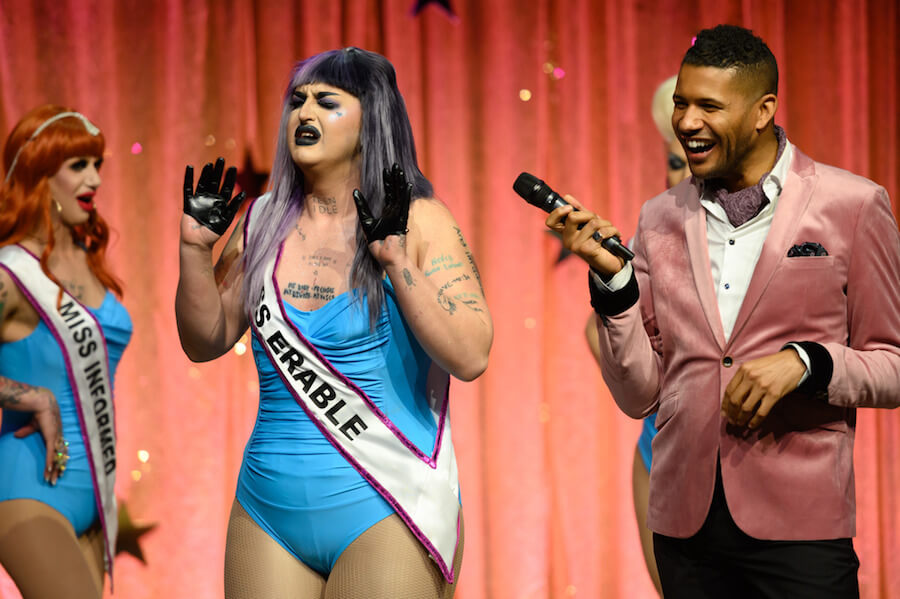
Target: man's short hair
(733, 47)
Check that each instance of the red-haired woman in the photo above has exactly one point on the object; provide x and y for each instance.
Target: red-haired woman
(62, 333)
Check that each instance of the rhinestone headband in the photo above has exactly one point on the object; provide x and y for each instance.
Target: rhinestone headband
(91, 128)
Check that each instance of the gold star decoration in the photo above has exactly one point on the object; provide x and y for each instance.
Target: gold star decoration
(128, 539)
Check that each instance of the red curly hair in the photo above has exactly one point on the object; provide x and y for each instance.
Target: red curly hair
(25, 198)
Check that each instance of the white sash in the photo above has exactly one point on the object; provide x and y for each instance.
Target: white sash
(84, 350)
(423, 489)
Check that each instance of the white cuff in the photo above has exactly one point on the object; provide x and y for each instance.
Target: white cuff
(617, 282)
(804, 357)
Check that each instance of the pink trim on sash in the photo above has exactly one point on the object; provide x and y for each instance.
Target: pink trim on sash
(75, 394)
(431, 460)
(446, 570)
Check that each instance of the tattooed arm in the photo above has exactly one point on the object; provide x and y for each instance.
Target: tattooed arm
(439, 290)
(46, 418)
(22, 397)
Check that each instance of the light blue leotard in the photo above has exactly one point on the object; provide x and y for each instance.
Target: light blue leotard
(648, 431)
(293, 482)
(37, 360)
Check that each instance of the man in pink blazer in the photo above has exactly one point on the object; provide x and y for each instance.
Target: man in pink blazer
(762, 308)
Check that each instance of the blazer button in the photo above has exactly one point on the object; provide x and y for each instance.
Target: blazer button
(727, 362)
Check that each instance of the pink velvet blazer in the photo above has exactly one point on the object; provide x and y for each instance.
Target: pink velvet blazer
(793, 477)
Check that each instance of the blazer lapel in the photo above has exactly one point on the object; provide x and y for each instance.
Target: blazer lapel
(698, 250)
(795, 196)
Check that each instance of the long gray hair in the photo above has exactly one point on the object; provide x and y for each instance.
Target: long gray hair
(385, 138)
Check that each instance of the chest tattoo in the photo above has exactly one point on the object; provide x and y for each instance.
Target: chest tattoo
(303, 291)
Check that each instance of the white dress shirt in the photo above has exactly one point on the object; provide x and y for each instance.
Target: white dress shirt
(733, 251)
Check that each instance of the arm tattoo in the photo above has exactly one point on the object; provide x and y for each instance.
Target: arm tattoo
(445, 302)
(449, 284)
(469, 257)
(470, 300)
(11, 392)
(407, 276)
(442, 262)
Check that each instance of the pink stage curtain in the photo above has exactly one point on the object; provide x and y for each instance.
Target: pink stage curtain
(560, 89)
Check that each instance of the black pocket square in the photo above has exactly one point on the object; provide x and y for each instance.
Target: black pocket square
(807, 248)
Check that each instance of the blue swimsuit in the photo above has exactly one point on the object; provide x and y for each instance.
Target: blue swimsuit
(648, 431)
(293, 482)
(37, 360)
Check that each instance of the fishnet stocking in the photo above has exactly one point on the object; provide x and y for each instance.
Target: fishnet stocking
(385, 562)
(257, 567)
(388, 562)
(45, 559)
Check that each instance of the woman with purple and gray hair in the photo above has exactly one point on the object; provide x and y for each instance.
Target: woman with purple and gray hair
(363, 298)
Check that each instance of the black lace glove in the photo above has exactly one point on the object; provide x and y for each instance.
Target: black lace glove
(210, 206)
(397, 194)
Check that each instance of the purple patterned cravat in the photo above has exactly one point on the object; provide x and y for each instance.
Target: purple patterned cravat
(746, 203)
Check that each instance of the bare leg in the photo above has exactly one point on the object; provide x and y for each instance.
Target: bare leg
(41, 553)
(640, 486)
(257, 566)
(388, 562)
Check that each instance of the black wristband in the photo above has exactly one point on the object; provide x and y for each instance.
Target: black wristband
(821, 367)
(611, 303)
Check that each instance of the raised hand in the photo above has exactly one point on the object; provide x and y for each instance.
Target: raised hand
(210, 205)
(397, 194)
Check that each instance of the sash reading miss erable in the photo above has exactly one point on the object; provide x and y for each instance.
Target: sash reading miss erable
(84, 350)
(423, 489)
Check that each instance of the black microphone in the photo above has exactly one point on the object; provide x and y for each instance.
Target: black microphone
(537, 193)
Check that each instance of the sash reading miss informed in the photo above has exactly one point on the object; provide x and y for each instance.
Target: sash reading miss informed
(87, 363)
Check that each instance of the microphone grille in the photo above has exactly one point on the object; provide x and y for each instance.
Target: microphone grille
(526, 185)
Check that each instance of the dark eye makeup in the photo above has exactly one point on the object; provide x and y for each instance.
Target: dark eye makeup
(325, 100)
(82, 163)
(676, 163)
